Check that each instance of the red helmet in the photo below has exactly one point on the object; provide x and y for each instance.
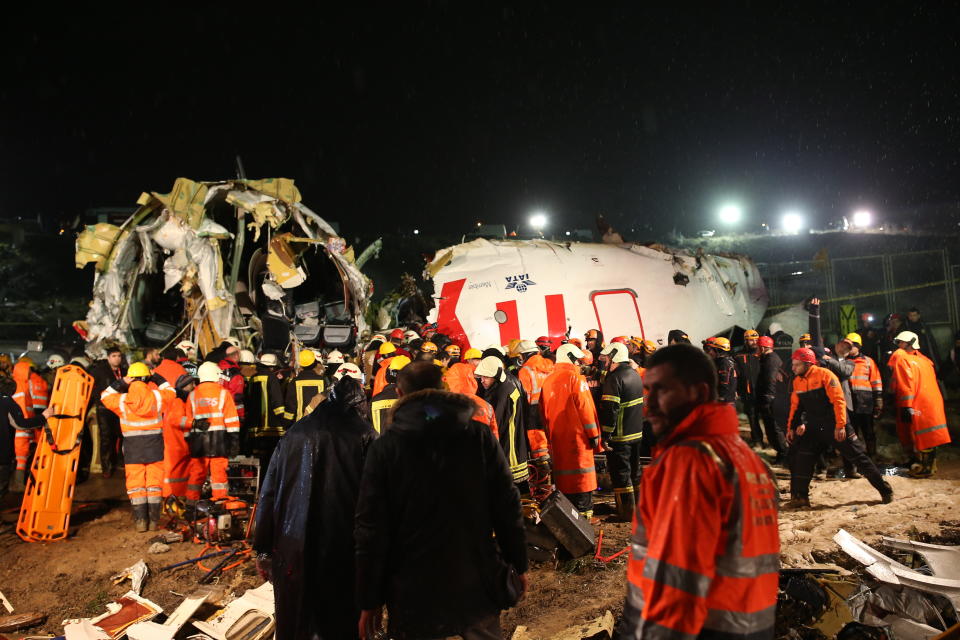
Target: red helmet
(765, 341)
(430, 326)
(805, 355)
(396, 334)
(620, 339)
(543, 341)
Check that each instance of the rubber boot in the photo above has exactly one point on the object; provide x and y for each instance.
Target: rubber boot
(140, 518)
(886, 491)
(153, 511)
(19, 480)
(926, 466)
(625, 505)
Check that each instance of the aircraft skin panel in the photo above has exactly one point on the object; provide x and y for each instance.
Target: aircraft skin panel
(537, 288)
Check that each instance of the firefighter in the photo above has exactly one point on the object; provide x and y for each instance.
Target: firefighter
(748, 369)
(866, 388)
(460, 378)
(570, 417)
(805, 341)
(640, 350)
(54, 362)
(334, 359)
(534, 369)
(427, 352)
(546, 347)
(301, 390)
(176, 451)
(621, 425)
(921, 421)
(23, 438)
(105, 372)
(382, 403)
(706, 547)
(169, 369)
(214, 433)
(387, 351)
(187, 356)
(396, 338)
(231, 376)
(719, 350)
(768, 378)
(509, 401)
(265, 408)
(141, 410)
(818, 421)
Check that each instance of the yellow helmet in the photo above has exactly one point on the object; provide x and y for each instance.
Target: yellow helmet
(307, 358)
(722, 344)
(452, 350)
(387, 348)
(513, 348)
(138, 370)
(648, 346)
(473, 354)
(399, 362)
(854, 338)
(428, 347)
(751, 334)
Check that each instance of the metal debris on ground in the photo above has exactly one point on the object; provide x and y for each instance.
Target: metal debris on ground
(21, 621)
(6, 603)
(128, 610)
(137, 574)
(250, 617)
(597, 629)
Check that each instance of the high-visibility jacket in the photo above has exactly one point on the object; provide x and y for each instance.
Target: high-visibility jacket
(532, 374)
(300, 391)
(39, 392)
(176, 451)
(265, 403)
(460, 378)
(141, 410)
(916, 389)
(23, 438)
(485, 414)
(866, 387)
(170, 370)
(705, 554)
(380, 378)
(570, 417)
(621, 405)
(510, 408)
(380, 406)
(818, 400)
(214, 423)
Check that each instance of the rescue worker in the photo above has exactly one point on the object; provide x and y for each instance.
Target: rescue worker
(453, 352)
(334, 359)
(570, 416)
(805, 340)
(640, 351)
(818, 421)
(427, 352)
(371, 353)
(546, 347)
(231, 377)
(534, 369)
(12, 422)
(677, 336)
(248, 364)
(54, 362)
(921, 420)
(396, 337)
(866, 389)
(460, 377)
(6, 366)
(387, 351)
(169, 369)
(141, 411)
(187, 356)
(301, 390)
(382, 403)
(265, 405)
(176, 451)
(214, 433)
(105, 372)
(768, 378)
(508, 399)
(24, 437)
(621, 426)
(719, 350)
(927, 344)
(39, 389)
(706, 544)
(748, 369)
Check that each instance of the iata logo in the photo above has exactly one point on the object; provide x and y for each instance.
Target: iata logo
(520, 283)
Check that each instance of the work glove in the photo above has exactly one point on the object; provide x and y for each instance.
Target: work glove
(877, 407)
(119, 385)
(159, 380)
(265, 566)
(233, 445)
(906, 414)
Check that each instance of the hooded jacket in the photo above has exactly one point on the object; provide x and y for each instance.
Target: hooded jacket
(460, 378)
(438, 517)
(305, 519)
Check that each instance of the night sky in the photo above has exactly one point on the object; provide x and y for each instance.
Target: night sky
(439, 115)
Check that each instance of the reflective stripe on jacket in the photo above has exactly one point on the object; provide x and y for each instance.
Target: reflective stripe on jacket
(39, 392)
(300, 391)
(213, 420)
(141, 410)
(265, 404)
(510, 408)
(568, 412)
(916, 388)
(532, 375)
(865, 384)
(705, 554)
(621, 405)
(380, 406)
(817, 400)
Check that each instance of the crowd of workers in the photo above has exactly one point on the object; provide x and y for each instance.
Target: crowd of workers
(408, 460)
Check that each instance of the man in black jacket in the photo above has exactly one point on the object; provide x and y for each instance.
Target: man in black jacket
(928, 345)
(106, 372)
(509, 401)
(304, 533)
(439, 529)
(621, 426)
(748, 368)
(11, 418)
(768, 378)
(719, 350)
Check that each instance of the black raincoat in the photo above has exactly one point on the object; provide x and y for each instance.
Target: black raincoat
(438, 518)
(305, 517)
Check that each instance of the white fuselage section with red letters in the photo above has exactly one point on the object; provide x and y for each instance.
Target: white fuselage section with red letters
(489, 292)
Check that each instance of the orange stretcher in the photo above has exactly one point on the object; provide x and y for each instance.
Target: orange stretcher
(48, 498)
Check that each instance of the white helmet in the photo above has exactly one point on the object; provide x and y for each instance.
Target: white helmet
(235, 341)
(334, 357)
(569, 353)
(527, 346)
(55, 360)
(617, 352)
(491, 367)
(189, 348)
(81, 361)
(209, 372)
(247, 357)
(348, 369)
(410, 335)
(268, 359)
(909, 337)
(502, 350)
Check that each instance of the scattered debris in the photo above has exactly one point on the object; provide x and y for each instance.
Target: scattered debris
(128, 610)
(249, 617)
(6, 603)
(166, 631)
(21, 621)
(598, 629)
(571, 529)
(194, 560)
(137, 574)
(158, 547)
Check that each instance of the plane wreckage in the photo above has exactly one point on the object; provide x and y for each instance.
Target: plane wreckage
(213, 259)
(494, 291)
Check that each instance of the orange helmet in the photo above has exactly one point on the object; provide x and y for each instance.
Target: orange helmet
(721, 344)
(452, 350)
(428, 347)
(621, 339)
(593, 334)
(648, 346)
(576, 341)
(587, 359)
(750, 334)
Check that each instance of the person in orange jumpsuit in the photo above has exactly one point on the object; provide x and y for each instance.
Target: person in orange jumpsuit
(921, 419)
(214, 433)
(459, 377)
(141, 410)
(570, 417)
(705, 557)
(387, 351)
(176, 451)
(23, 439)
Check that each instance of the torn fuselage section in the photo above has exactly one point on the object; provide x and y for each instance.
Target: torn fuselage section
(214, 259)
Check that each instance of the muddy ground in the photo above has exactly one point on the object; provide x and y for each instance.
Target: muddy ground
(72, 578)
